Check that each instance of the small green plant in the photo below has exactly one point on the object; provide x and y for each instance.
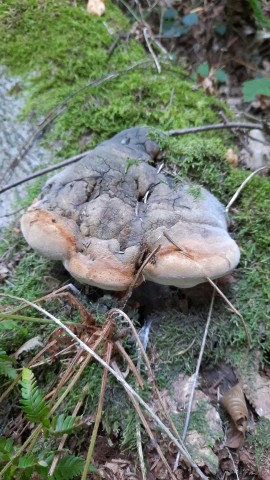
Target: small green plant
(261, 440)
(258, 86)
(6, 365)
(17, 466)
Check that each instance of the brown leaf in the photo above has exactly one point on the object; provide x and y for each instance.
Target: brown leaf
(235, 404)
(96, 7)
(29, 345)
(232, 157)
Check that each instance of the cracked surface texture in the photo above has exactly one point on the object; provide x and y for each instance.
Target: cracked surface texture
(103, 215)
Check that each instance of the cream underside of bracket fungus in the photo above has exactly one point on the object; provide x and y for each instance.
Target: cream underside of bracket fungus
(94, 216)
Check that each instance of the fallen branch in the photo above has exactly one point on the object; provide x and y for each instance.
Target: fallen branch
(184, 131)
(119, 378)
(39, 173)
(215, 126)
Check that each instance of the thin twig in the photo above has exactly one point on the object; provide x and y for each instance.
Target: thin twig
(39, 173)
(216, 126)
(98, 415)
(120, 379)
(149, 46)
(242, 186)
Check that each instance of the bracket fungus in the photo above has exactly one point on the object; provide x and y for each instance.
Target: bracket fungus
(103, 215)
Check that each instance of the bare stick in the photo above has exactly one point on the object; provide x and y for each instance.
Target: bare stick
(145, 34)
(69, 161)
(242, 186)
(216, 126)
(120, 379)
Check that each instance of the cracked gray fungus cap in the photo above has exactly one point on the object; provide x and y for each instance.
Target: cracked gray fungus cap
(103, 215)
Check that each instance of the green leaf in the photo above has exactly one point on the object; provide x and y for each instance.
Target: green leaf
(65, 424)
(33, 404)
(69, 467)
(170, 15)
(8, 325)
(7, 370)
(191, 19)
(6, 445)
(220, 29)
(221, 76)
(203, 70)
(259, 86)
(6, 367)
(27, 461)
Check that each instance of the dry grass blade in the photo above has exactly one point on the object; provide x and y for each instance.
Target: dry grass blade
(150, 371)
(146, 38)
(198, 367)
(147, 428)
(242, 186)
(130, 363)
(98, 415)
(120, 379)
(234, 310)
(182, 251)
(196, 375)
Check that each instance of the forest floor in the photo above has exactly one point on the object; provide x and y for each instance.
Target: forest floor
(168, 66)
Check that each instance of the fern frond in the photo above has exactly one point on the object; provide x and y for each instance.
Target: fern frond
(6, 367)
(65, 424)
(33, 404)
(6, 449)
(69, 467)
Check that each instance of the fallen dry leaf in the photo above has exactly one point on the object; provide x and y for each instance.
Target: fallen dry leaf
(235, 404)
(29, 345)
(96, 7)
(232, 157)
(4, 271)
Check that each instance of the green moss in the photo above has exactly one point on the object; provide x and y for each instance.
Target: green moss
(261, 440)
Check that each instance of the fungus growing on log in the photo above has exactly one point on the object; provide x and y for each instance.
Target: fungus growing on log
(103, 215)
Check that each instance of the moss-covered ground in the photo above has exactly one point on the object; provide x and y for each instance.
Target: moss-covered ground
(57, 48)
